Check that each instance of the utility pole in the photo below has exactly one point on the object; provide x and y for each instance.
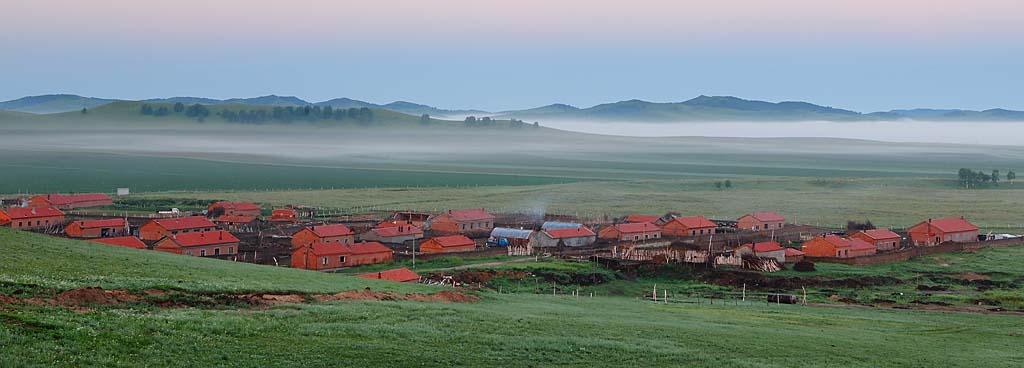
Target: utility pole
(413, 252)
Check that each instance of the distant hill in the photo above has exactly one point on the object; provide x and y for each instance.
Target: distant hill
(404, 107)
(48, 104)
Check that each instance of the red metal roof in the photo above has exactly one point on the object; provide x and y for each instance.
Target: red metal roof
(368, 248)
(643, 227)
(641, 218)
(695, 222)
(767, 216)
(181, 223)
(837, 241)
(397, 230)
(569, 233)
(123, 241)
(398, 275)
(880, 234)
(857, 244)
(763, 247)
(473, 214)
(92, 224)
(16, 213)
(284, 212)
(62, 199)
(326, 231)
(792, 252)
(235, 219)
(950, 225)
(238, 206)
(453, 241)
(204, 238)
(328, 249)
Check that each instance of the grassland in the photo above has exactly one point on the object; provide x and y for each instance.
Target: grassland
(499, 330)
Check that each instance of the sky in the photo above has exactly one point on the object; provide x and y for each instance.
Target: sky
(865, 55)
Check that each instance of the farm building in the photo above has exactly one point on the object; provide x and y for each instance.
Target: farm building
(320, 256)
(397, 275)
(461, 221)
(763, 249)
(551, 225)
(503, 236)
(835, 246)
(447, 244)
(689, 226)
(794, 255)
(159, 228)
(122, 241)
(413, 218)
(201, 244)
(630, 232)
(933, 232)
(31, 218)
(882, 239)
(570, 237)
(761, 221)
(639, 219)
(97, 228)
(70, 201)
(233, 209)
(364, 253)
(336, 233)
(284, 215)
(393, 233)
(235, 222)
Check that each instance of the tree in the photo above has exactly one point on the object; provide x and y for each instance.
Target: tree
(995, 177)
(146, 109)
(425, 119)
(179, 107)
(162, 111)
(728, 183)
(1010, 176)
(85, 110)
(718, 185)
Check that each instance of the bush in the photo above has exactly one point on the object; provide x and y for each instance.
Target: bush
(804, 266)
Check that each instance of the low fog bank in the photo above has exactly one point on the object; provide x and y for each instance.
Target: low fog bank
(984, 133)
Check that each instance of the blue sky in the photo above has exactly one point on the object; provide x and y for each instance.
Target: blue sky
(456, 54)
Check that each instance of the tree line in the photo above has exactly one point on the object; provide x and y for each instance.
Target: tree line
(285, 114)
(972, 179)
(473, 122)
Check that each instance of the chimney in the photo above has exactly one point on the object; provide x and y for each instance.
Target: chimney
(221, 235)
(380, 275)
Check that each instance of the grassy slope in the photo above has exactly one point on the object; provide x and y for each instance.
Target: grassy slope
(500, 330)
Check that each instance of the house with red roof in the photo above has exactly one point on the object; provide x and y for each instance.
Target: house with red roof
(767, 249)
(30, 218)
(447, 244)
(334, 233)
(761, 221)
(319, 256)
(284, 215)
(689, 226)
(70, 201)
(397, 275)
(837, 247)
(157, 229)
(794, 255)
(474, 220)
(569, 237)
(233, 209)
(121, 241)
(97, 228)
(934, 232)
(201, 244)
(884, 240)
(236, 223)
(639, 219)
(630, 232)
(393, 233)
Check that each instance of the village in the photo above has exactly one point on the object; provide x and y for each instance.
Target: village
(300, 237)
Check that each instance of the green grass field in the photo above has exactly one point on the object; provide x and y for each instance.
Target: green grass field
(507, 330)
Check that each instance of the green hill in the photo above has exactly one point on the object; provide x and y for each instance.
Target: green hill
(47, 104)
(507, 330)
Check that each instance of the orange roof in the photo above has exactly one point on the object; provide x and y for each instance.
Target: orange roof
(92, 224)
(792, 252)
(950, 225)
(880, 234)
(328, 249)
(235, 219)
(397, 230)
(453, 241)
(398, 275)
(763, 247)
(857, 244)
(641, 218)
(61, 199)
(472, 214)
(569, 233)
(325, 231)
(694, 222)
(283, 212)
(33, 212)
(240, 206)
(123, 241)
(836, 241)
(643, 227)
(181, 223)
(766, 216)
(368, 248)
(204, 238)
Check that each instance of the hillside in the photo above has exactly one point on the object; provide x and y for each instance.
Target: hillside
(47, 104)
(172, 325)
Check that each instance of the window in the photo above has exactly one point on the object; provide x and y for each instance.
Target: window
(694, 232)
(188, 252)
(202, 252)
(324, 261)
(463, 226)
(636, 237)
(216, 251)
(341, 259)
(471, 225)
(231, 250)
(839, 253)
